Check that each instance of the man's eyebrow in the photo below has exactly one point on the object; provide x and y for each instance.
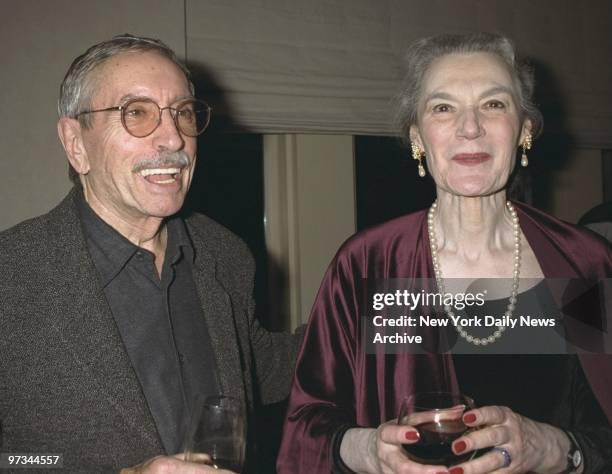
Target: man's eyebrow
(183, 97)
(127, 97)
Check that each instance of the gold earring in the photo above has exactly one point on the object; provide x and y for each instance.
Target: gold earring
(417, 154)
(526, 145)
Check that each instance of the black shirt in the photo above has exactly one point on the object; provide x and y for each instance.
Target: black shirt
(160, 320)
(549, 388)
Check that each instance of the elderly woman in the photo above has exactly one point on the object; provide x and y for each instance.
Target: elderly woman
(466, 108)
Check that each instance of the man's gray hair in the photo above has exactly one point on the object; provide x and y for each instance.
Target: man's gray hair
(425, 51)
(79, 84)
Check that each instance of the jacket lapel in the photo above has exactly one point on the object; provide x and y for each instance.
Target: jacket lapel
(217, 308)
(85, 322)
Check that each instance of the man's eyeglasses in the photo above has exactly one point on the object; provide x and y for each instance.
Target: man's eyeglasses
(141, 117)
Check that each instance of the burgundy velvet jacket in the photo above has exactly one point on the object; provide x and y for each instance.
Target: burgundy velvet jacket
(337, 384)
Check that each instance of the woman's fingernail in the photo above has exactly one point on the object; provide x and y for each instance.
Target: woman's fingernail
(456, 470)
(460, 446)
(412, 435)
(469, 418)
(441, 472)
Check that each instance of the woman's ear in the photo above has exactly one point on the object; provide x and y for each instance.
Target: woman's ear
(70, 134)
(415, 136)
(526, 130)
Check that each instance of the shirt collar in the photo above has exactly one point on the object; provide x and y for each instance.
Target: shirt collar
(111, 251)
(179, 242)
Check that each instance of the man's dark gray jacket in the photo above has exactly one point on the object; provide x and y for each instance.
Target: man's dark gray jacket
(66, 383)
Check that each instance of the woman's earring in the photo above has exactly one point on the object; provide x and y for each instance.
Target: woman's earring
(526, 145)
(418, 154)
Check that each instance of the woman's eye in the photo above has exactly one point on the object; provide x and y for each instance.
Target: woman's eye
(441, 108)
(495, 104)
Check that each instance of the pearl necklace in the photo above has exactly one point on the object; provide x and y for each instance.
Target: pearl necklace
(478, 341)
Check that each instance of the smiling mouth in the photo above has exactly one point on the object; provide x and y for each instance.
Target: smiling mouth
(161, 175)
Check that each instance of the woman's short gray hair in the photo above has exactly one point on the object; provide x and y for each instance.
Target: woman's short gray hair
(424, 51)
(78, 87)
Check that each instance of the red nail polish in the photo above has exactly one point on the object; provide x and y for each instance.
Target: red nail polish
(412, 435)
(456, 470)
(469, 418)
(441, 472)
(460, 446)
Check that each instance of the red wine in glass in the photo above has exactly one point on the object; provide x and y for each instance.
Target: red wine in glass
(438, 418)
(217, 433)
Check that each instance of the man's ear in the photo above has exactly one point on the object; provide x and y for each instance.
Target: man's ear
(70, 134)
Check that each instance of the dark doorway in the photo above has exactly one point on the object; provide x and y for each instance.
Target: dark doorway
(386, 182)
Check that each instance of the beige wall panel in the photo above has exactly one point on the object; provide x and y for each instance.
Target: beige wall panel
(325, 206)
(310, 211)
(39, 41)
(578, 186)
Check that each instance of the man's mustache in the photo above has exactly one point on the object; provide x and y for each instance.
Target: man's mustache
(178, 159)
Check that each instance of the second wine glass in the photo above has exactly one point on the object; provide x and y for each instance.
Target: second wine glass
(217, 433)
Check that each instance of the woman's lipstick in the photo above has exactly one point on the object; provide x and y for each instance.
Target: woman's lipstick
(471, 159)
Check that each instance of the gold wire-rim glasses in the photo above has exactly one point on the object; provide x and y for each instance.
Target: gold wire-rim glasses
(150, 125)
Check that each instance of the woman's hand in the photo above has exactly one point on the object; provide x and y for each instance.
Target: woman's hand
(531, 446)
(379, 451)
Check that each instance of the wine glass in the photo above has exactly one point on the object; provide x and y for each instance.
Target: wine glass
(217, 433)
(438, 418)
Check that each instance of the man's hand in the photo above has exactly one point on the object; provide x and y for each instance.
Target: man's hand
(175, 465)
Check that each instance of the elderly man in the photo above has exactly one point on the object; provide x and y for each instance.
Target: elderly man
(115, 312)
